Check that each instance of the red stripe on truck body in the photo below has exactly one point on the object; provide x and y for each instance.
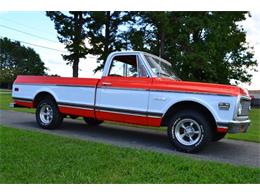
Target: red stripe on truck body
(48, 80)
(26, 104)
(77, 111)
(126, 118)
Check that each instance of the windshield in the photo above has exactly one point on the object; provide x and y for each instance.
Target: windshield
(161, 67)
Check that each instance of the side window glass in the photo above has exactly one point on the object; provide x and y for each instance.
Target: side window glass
(141, 69)
(117, 68)
(127, 66)
(131, 70)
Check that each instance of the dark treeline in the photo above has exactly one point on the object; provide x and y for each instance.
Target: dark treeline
(202, 46)
(16, 59)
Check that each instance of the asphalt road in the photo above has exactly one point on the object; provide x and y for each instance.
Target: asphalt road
(228, 151)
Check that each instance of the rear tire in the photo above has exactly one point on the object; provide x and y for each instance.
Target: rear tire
(48, 115)
(92, 121)
(189, 131)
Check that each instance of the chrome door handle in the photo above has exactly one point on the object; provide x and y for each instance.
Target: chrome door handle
(106, 84)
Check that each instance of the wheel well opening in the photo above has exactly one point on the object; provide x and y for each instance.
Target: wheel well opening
(188, 105)
(40, 96)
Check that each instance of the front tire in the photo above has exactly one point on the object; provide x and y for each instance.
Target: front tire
(48, 115)
(189, 131)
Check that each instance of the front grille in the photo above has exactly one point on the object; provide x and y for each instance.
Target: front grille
(245, 107)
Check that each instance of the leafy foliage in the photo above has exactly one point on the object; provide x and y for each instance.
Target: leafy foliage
(71, 32)
(16, 59)
(104, 33)
(202, 46)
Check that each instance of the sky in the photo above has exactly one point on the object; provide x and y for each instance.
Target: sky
(35, 30)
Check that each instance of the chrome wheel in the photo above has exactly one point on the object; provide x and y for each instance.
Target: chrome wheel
(187, 132)
(46, 114)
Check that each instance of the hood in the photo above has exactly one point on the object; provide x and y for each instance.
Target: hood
(197, 87)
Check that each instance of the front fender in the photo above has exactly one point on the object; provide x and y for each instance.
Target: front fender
(163, 101)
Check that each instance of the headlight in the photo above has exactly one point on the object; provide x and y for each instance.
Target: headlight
(239, 111)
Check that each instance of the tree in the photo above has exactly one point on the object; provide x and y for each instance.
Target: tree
(71, 32)
(16, 59)
(104, 33)
(202, 46)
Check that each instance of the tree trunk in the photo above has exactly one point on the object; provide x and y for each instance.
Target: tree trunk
(162, 44)
(107, 33)
(78, 20)
(75, 67)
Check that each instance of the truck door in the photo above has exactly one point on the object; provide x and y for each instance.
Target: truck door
(123, 94)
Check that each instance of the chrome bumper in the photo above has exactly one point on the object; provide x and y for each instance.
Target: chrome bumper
(234, 126)
(14, 105)
(238, 126)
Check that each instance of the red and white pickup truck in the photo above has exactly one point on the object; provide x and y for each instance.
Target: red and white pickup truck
(139, 88)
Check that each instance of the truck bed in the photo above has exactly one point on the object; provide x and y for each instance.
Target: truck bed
(74, 96)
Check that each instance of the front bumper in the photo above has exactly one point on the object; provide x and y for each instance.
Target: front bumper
(238, 126)
(235, 126)
(14, 105)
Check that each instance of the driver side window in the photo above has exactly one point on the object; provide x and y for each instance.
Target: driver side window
(126, 66)
(117, 68)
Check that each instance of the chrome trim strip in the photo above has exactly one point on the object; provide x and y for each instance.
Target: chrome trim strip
(88, 86)
(203, 93)
(121, 88)
(22, 99)
(117, 112)
(126, 113)
(153, 116)
(67, 106)
(76, 105)
(155, 90)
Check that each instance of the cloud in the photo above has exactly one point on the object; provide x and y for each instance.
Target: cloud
(54, 62)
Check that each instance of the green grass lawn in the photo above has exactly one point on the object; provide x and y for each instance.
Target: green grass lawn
(6, 99)
(253, 133)
(37, 157)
